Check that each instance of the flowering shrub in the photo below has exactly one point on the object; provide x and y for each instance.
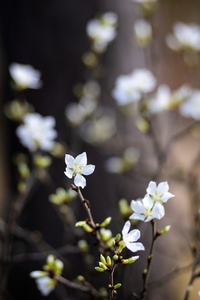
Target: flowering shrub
(104, 243)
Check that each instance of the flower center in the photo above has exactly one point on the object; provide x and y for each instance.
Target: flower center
(77, 169)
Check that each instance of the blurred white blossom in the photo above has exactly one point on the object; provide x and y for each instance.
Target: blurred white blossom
(118, 165)
(146, 210)
(130, 88)
(102, 31)
(191, 107)
(25, 76)
(131, 237)
(75, 114)
(46, 280)
(143, 32)
(45, 285)
(76, 167)
(37, 132)
(165, 99)
(185, 37)
(99, 129)
(161, 100)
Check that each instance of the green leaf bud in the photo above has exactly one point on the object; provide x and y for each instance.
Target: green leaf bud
(118, 285)
(129, 260)
(165, 230)
(80, 278)
(41, 161)
(83, 246)
(99, 269)
(106, 222)
(108, 261)
(80, 223)
(118, 238)
(115, 257)
(103, 266)
(102, 259)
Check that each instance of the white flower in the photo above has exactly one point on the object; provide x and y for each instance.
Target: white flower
(46, 280)
(129, 88)
(161, 100)
(191, 107)
(165, 99)
(45, 285)
(76, 167)
(143, 32)
(37, 132)
(102, 31)
(25, 76)
(146, 210)
(158, 193)
(131, 237)
(184, 37)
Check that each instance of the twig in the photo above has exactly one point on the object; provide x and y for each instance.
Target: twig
(149, 261)
(85, 287)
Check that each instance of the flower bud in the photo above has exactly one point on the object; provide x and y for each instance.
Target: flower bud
(83, 246)
(102, 259)
(129, 260)
(106, 222)
(99, 269)
(42, 161)
(108, 261)
(102, 266)
(118, 285)
(165, 229)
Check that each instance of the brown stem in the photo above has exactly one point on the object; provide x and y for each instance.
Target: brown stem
(86, 204)
(193, 276)
(112, 290)
(149, 261)
(85, 287)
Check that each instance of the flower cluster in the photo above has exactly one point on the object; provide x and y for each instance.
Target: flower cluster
(185, 37)
(88, 95)
(191, 107)
(165, 99)
(102, 31)
(130, 88)
(143, 32)
(46, 280)
(25, 76)
(151, 206)
(37, 132)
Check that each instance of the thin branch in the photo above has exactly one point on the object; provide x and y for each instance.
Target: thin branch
(85, 287)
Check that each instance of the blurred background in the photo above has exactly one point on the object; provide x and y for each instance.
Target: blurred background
(51, 36)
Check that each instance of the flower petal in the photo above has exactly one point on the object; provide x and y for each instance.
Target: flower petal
(158, 211)
(136, 216)
(134, 235)
(166, 197)
(134, 247)
(37, 274)
(151, 188)
(79, 180)
(126, 228)
(68, 173)
(163, 188)
(69, 160)
(87, 170)
(137, 206)
(81, 159)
